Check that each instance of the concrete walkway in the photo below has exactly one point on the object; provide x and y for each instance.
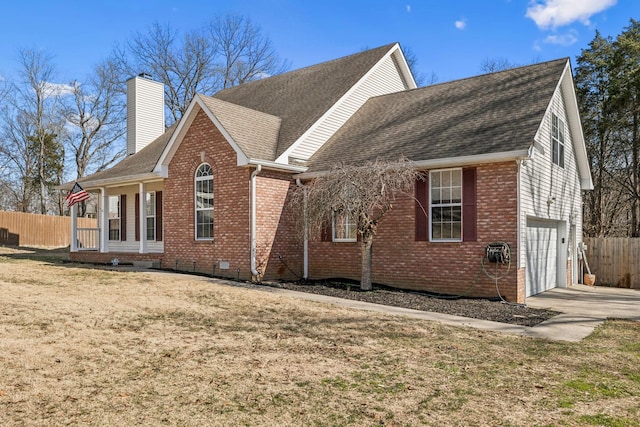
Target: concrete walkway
(582, 308)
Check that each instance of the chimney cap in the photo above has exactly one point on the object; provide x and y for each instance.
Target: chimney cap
(145, 76)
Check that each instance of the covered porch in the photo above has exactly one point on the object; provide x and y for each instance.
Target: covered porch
(127, 223)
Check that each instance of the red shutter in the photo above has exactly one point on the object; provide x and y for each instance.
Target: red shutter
(123, 217)
(159, 216)
(469, 211)
(422, 209)
(137, 210)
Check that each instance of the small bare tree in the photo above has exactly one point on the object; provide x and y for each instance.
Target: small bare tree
(365, 192)
(492, 65)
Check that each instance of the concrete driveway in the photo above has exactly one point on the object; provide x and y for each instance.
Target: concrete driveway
(583, 308)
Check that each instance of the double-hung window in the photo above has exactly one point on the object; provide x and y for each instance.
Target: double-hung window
(204, 202)
(345, 227)
(114, 218)
(151, 215)
(557, 140)
(446, 205)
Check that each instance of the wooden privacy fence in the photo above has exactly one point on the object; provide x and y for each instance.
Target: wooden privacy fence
(32, 230)
(614, 260)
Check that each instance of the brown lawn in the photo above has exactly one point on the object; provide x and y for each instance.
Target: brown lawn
(83, 346)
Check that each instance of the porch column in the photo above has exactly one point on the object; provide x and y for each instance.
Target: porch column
(142, 208)
(103, 219)
(73, 247)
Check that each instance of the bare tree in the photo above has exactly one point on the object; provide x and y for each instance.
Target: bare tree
(421, 78)
(365, 193)
(98, 117)
(32, 126)
(18, 160)
(492, 65)
(228, 51)
(39, 97)
(244, 52)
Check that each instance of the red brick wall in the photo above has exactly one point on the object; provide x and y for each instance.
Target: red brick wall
(231, 205)
(449, 268)
(279, 250)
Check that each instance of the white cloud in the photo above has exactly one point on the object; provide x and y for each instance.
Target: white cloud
(408, 8)
(562, 39)
(57, 89)
(557, 13)
(461, 24)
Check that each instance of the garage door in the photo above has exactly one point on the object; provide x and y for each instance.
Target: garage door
(542, 255)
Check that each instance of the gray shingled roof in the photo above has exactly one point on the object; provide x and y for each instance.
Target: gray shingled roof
(256, 133)
(144, 161)
(492, 113)
(269, 115)
(302, 96)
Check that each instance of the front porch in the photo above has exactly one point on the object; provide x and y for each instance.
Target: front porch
(128, 225)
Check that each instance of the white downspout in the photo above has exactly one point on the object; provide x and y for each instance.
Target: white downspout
(252, 220)
(305, 244)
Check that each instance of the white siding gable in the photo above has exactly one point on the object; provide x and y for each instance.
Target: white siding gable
(383, 78)
(548, 191)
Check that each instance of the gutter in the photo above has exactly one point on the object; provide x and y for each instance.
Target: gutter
(305, 244)
(252, 220)
(277, 166)
(446, 162)
(96, 184)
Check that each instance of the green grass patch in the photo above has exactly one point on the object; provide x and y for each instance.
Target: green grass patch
(604, 420)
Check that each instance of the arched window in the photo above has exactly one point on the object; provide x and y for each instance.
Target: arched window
(204, 202)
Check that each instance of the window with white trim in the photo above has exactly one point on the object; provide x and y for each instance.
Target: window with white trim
(114, 218)
(446, 205)
(151, 215)
(557, 140)
(204, 202)
(345, 228)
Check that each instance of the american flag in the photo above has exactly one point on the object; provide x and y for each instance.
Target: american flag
(77, 194)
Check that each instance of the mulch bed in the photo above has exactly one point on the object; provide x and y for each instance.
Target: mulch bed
(485, 309)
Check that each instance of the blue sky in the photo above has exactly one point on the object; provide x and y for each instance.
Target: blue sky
(450, 38)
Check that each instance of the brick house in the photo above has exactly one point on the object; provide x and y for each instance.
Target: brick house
(503, 154)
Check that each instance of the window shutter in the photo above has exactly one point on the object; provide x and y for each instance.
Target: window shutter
(469, 211)
(422, 209)
(158, 216)
(123, 217)
(137, 210)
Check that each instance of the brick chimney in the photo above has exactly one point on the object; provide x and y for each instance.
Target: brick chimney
(145, 112)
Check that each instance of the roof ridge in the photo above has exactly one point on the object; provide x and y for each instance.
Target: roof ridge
(318, 64)
(463, 79)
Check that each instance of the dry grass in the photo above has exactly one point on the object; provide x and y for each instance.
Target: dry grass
(85, 346)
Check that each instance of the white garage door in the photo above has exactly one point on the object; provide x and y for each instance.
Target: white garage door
(542, 255)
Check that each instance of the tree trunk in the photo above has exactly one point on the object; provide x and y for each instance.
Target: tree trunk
(366, 248)
(635, 177)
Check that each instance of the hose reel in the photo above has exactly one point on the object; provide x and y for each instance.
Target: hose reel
(498, 252)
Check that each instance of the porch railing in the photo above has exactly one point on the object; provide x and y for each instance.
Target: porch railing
(88, 239)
